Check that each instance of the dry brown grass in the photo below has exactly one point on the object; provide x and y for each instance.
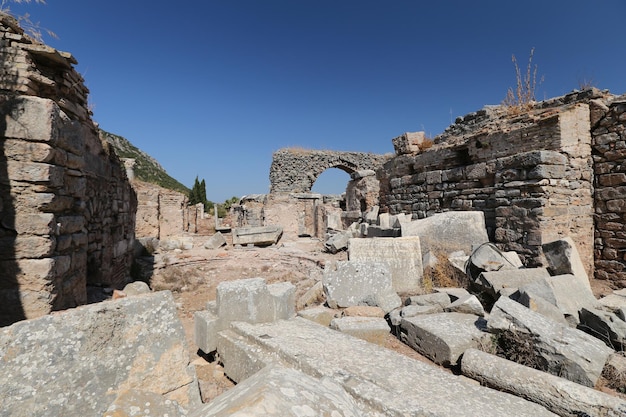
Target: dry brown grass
(522, 98)
(33, 29)
(426, 144)
(443, 274)
(614, 376)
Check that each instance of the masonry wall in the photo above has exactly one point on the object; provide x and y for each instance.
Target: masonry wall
(67, 211)
(532, 178)
(609, 154)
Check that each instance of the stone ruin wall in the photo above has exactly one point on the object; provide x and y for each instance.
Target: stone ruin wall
(609, 155)
(67, 210)
(303, 213)
(296, 170)
(554, 172)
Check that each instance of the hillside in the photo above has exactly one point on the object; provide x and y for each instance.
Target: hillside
(146, 167)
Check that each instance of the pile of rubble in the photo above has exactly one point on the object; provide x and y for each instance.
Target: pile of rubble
(538, 333)
(512, 341)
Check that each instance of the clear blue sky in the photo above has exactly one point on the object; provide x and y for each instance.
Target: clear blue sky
(213, 88)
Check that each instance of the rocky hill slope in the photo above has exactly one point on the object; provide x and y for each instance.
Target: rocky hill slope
(146, 167)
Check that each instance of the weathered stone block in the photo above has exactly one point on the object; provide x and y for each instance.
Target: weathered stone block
(206, 326)
(348, 283)
(443, 337)
(375, 377)
(279, 391)
(22, 150)
(371, 329)
(283, 296)
(216, 241)
(448, 232)
(440, 299)
(495, 282)
(563, 258)
(30, 118)
(402, 255)
(607, 327)
(260, 236)
(35, 172)
(466, 305)
(386, 299)
(408, 143)
(244, 300)
(554, 348)
(74, 362)
(320, 314)
(559, 395)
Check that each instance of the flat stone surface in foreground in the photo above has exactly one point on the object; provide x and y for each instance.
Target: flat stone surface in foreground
(382, 381)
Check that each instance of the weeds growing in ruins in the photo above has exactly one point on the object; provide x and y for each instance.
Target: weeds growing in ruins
(34, 30)
(518, 347)
(442, 274)
(522, 98)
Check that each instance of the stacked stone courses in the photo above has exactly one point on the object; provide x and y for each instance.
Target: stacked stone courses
(609, 155)
(296, 170)
(552, 172)
(67, 210)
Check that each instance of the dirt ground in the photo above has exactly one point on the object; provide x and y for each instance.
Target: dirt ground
(193, 276)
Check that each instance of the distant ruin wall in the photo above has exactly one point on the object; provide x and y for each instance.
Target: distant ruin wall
(296, 170)
(67, 211)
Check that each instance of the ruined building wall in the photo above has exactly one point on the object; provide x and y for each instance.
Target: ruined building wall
(532, 175)
(66, 208)
(609, 154)
(296, 170)
(163, 213)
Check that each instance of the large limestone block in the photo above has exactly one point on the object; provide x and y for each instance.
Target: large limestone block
(75, 363)
(250, 300)
(443, 337)
(258, 236)
(449, 232)
(280, 391)
(319, 314)
(540, 305)
(494, 282)
(604, 325)
(244, 300)
(382, 382)
(31, 118)
(566, 292)
(283, 296)
(371, 329)
(403, 255)
(487, 257)
(351, 283)
(554, 348)
(216, 241)
(563, 258)
(469, 305)
(440, 299)
(387, 300)
(137, 403)
(558, 395)
(206, 326)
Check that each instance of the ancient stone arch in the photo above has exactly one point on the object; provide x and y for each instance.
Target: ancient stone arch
(296, 170)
